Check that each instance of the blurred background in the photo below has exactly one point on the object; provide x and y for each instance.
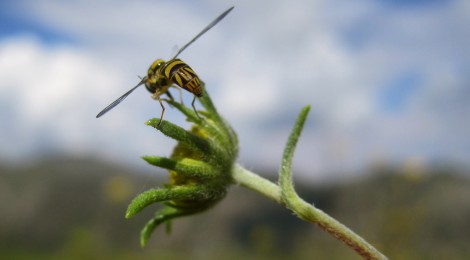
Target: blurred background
(385, 149)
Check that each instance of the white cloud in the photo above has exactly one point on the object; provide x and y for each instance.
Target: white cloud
(261, 64)
(52, 96)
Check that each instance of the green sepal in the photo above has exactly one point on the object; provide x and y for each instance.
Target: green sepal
(164, 215)
(180, 134)
(206, 102)
(189, 113)
(189, 192)
(185, 166)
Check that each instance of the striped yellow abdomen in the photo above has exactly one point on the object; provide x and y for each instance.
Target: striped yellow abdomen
(182, 75)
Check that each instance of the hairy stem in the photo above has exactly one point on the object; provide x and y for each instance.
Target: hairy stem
(307, 212)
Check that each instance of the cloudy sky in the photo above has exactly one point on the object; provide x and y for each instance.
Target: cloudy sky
(388, 81)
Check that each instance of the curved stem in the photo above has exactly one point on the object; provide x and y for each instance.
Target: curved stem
(257, 183)
(307, 212)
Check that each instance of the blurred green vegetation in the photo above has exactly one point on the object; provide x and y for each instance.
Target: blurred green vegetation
(74, 209)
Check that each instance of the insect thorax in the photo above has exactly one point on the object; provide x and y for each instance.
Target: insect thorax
(155, 67)
(161, 75)
(155, 80)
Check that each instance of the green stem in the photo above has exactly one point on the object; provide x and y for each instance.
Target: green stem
(307, 212)
(257, 183)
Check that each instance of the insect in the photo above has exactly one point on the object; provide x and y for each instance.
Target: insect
(162, 75)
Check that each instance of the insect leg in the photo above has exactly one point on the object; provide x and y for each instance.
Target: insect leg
(156, 96)
(163, 112)
(169, 95)
(194, 107)
(181, 93)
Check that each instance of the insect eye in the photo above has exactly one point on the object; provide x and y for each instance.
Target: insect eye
(156, 65)
(159, 63)
(150, 87)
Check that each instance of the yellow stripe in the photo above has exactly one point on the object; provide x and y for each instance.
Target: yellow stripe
(178, 79)
(170, 66)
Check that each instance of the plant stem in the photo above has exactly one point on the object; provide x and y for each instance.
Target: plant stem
(307, 212)
(257, 183)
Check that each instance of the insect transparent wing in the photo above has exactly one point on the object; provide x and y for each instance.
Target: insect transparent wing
(117, 101)
(220, 17)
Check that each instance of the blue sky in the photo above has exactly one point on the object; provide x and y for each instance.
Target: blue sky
(388, 81)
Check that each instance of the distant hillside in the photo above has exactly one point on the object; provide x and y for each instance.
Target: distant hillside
(64, 208)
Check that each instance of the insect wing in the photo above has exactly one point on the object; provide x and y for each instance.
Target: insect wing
(117, 101)
(218, 19)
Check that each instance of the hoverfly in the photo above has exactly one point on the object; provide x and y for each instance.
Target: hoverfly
(162, 75)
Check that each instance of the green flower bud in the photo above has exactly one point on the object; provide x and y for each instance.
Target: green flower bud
(200, 166)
